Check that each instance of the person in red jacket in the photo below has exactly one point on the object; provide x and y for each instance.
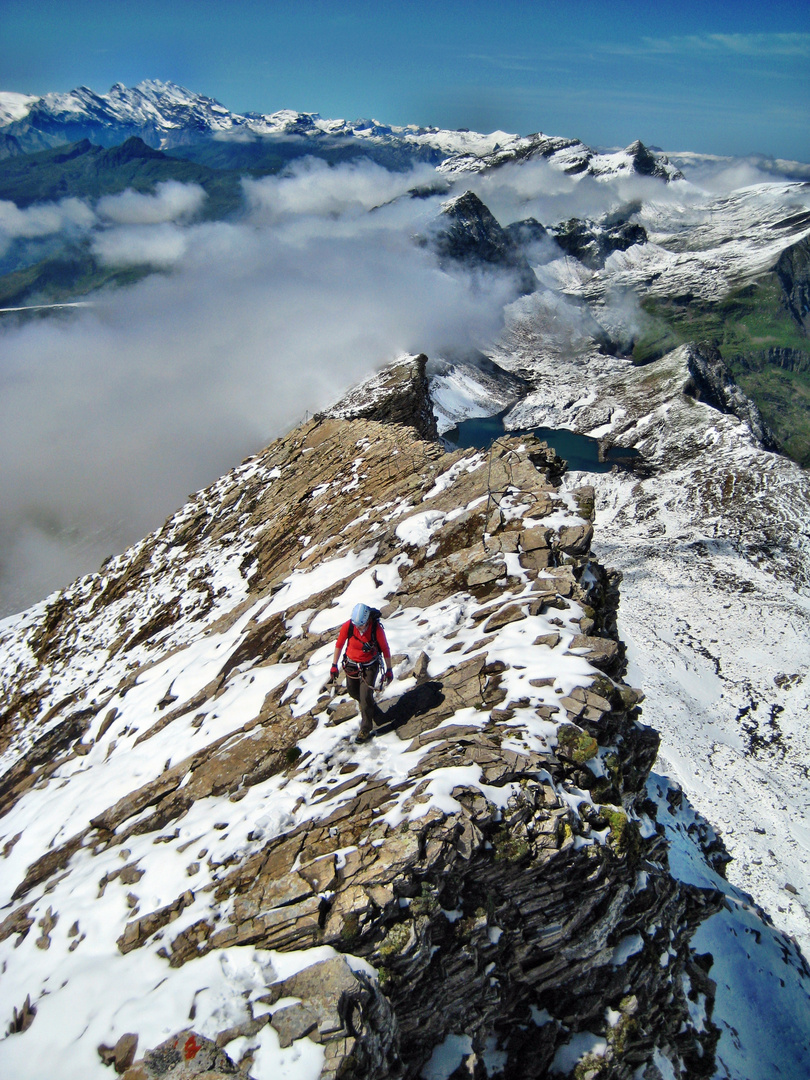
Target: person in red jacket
(366, 645)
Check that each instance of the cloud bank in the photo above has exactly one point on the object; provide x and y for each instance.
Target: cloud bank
(69, 216)
(111, 415)
(170, 202)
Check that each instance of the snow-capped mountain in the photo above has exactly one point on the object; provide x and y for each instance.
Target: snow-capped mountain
(159, 109)
(198, 856)
(167, 116)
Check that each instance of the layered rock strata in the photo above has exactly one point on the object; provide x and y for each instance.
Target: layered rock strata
(399, 394)
(196, 850)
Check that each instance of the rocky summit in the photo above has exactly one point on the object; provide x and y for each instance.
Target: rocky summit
(205, 874)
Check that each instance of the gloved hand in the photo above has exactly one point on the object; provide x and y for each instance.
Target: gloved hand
(333, 673)
(388, 678)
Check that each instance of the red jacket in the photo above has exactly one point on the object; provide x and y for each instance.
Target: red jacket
(355, 651)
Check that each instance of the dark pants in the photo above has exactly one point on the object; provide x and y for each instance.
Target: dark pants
(361, 688)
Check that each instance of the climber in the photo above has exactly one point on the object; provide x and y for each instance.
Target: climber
(365, 643)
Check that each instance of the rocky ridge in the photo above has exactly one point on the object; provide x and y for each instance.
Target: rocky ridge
(707, 503)
(183, 802)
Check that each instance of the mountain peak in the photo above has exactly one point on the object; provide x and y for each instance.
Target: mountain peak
(131, 149)
(646, 163)
(468, 232)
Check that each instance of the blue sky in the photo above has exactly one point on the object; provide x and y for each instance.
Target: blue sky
(717, 77)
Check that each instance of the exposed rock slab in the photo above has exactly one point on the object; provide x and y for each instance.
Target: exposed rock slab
(481, 864)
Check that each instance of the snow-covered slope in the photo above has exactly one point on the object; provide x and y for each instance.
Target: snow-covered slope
(711, 537)
(706, 246)
(714, 516)
(15, 106)
(191, 837)
(162, 107)
(714, 546)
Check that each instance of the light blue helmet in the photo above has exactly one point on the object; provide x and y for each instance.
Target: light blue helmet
(361, 613)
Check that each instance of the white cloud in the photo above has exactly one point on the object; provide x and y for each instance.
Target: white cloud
(756, 45)
(312, 187)
(538, 189)
(110, 417)
(725, 174)
(43, 219)
(137, 245)
(793, 44)
(172, 201)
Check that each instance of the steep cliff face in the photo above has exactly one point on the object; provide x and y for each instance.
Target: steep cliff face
(468, 233)
(793, 271)
(712, 382)
(398, 394)
(202, 869)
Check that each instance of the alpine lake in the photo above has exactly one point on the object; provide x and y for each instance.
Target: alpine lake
(580, 451)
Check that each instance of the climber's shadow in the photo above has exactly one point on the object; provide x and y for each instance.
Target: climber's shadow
(416, 702)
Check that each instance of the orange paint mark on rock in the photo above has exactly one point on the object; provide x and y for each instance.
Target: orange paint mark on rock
(191, 1048)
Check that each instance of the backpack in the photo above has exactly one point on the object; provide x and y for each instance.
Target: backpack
(371, 646)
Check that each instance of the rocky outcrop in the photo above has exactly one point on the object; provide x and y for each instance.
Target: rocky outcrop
(399, 394)
(712, 382)
(793, 271)
(591, 243)
(484, 879)
(468, 233)
(327, 1003)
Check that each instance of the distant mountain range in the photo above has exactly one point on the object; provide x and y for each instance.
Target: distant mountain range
(169, 117)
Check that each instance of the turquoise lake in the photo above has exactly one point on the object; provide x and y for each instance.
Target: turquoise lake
(580, 451)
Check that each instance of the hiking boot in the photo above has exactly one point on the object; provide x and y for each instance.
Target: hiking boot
(364, 734)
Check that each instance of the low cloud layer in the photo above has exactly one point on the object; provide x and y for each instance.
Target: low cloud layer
(69, 216)
(317, 189)
(111, 415)
(133, 245)
(171, 201)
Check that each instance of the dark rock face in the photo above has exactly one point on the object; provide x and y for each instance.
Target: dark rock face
(712, 383)
(789, 359)
(592, 243)
(398, 395)
(468, 233)
(784, 358)
(9, 146)
(646, 163)
(793, 271)
(527, 232)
